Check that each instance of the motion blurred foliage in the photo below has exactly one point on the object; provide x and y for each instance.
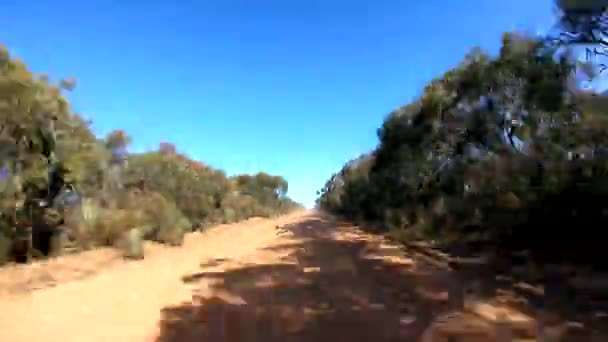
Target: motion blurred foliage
(161, 194)
(502, 150)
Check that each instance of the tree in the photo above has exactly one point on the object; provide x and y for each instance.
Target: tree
(117, 139)
(583, 23)
(166, 148)
(484, 152)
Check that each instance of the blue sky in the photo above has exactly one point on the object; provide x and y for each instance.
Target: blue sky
(294, 88)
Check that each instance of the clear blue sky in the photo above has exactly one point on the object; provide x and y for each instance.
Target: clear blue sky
(294, 88)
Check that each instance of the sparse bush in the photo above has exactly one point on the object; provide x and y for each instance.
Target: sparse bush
(132, 244)
(113, 223)
(229, 215)
(5, 248)
(58, 241)
(164, 221)
(84, 224)
(238, 207)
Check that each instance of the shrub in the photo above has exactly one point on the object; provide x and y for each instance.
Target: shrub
(132, 244)
(164, 221)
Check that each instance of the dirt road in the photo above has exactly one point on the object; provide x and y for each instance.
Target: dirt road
(301, 277)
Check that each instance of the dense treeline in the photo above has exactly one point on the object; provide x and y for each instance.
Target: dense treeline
(123, 197)
(504, 150)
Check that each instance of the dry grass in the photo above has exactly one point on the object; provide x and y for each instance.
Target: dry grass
(20, 279)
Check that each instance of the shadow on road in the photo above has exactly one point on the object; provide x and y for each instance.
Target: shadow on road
(327, 286)
(324, 289)
(566, 300)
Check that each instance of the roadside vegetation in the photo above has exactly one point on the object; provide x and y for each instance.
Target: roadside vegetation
(503, 151)
(113, 197)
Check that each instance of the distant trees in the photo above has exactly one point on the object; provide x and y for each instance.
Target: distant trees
(271, 188)
(37, 125)
(116, 142)
(166, 148)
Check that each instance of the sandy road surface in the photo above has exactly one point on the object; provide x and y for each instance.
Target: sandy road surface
(313, 279)
(123, 301)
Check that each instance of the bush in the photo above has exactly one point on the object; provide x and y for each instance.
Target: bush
(132, 244)
(113, 223)
(164, 221)
(5, 248)
(83, 225)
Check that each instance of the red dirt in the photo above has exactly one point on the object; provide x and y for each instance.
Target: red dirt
(293, 278)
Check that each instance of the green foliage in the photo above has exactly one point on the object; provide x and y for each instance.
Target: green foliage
(449, 167)
(163, 219)
(177, 193)
(113, 223)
